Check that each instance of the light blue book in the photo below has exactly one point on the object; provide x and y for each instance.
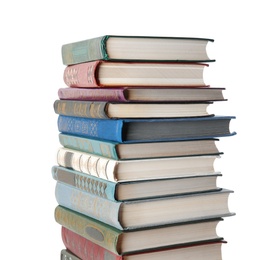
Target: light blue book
(135, 214)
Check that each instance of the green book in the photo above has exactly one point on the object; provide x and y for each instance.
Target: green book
(124, 242)
(138, 48)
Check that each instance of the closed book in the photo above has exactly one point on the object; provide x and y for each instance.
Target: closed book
(122, 47)
(144, 94)
(107, 110)
(141, 150)
(133, 190)
(83, 229)
(96, 74)
(138, 169)
(199, 251)
(149, 130)
(126, 215)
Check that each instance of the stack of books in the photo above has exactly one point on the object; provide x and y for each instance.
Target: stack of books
(135, 175)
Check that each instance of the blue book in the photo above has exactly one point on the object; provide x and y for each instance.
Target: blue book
(132, 190)
(126, 215)
(146, 130)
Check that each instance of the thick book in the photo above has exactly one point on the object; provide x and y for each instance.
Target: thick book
(138, 169)
(133, 190)
(146, 130)
(141, 150)
(134, 214)
(76, 226)
(147, 94)
(96, 74)
(199, 251)
(122, 47)
(108, 110)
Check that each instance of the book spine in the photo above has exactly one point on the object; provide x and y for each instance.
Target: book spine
(83, 51)
(87, 145)
(95, 94)
(105, 129)
(84, 248)
(85, 182)
(81, 108)
(82, 75)
(101, 209)
(87, 163)
(89, 228)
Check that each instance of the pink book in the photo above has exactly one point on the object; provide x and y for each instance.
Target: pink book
(185, 94)
(134, 74)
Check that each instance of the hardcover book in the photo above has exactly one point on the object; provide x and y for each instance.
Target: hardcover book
(133, 190)
(146, 130)
(145, 213)
(83, 229)
(119, 47)
(96, 74)
(108, 110)
(138, 169)
(119, 151)
(144, 94)
(199, 251)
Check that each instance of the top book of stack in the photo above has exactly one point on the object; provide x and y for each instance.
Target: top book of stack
(137, 48)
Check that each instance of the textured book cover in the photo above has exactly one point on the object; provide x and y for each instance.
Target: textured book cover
(146, 130)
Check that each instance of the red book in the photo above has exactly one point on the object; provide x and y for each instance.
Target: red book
(88, 250)
(135, 74)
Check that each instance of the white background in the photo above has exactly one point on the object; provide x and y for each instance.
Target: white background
(32, 33)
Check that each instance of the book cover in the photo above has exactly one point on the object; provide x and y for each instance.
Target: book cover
(146, 130)
(132, 190)
(147, 94)
(96, 74)
(119, 47)
(135, 214)
(86, 231)
(141, 150)
(138, 169)
(113, 110)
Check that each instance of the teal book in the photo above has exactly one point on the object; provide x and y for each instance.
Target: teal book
(137, 48)
(126, 215)
(146, 130)
(122, 191)
(141, 150)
